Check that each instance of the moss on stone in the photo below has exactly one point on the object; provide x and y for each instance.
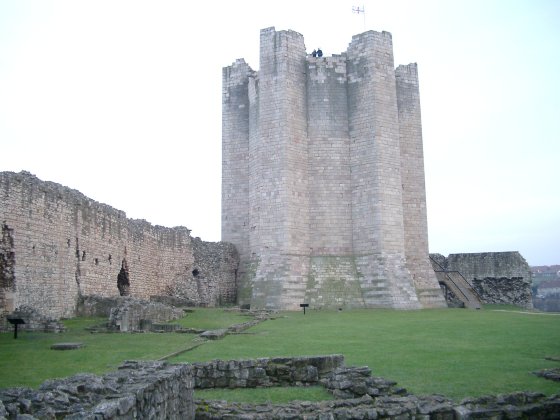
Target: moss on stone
(340, 285)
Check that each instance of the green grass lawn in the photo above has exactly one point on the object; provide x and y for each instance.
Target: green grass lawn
(279, 395)
(28, 361)
(211, 319)
(455, 352)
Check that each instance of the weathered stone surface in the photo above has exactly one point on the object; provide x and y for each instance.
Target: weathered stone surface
(264, 372)
(159, 390)
(390, 407)
(66, 346)
(139, 315)
(497, 277)
(323, 179)
(553, 374)
(34, 321)
(214, 334)
(359, 395)
(97, 306)
(136, 390)
(58, 245)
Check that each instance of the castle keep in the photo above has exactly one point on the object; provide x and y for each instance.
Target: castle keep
(323, 180)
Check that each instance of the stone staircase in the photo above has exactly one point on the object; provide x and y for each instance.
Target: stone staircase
(460, 287)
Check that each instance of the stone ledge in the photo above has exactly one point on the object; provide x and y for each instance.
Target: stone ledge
(552, 374)
(66, 346)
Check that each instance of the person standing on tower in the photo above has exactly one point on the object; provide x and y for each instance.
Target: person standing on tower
(319, 52)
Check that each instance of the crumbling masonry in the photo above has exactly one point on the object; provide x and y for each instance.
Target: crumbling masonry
(58, 245)
(323, 177)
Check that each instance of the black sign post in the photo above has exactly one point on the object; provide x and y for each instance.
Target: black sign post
(15, 322)
(304, 305)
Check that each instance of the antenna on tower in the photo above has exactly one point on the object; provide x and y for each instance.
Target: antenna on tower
(362, 10)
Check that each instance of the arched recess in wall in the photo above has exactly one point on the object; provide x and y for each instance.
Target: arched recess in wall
(123, 279)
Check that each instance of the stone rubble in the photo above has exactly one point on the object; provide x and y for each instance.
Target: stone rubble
(139, 315)
(34, 321)
(136, 390)
(497, 277)
(160, 390)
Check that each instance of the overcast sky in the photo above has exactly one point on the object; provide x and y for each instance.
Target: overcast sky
(121, 100)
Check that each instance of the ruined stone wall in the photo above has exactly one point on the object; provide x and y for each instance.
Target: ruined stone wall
(212, 277)
(138, 390)
(137, 315)
(358, 394)
(158, 390)
(215, 271)
(314, 143)
(498, 277)
(265, 372)
(66, 245)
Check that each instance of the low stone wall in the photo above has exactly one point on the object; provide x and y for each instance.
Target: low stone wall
(511, 406)
(498, 277)
(34, 321)
(139, 315)
(147, 390)
(174, 301)
(358, 394)
(265, 372)
(98, 306)
(160, 390)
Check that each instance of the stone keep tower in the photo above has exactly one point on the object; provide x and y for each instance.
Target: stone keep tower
(323, 177)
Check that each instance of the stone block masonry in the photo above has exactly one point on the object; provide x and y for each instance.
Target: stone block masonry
(138, 390)
(497, 277)
(323, 180)
(157, 390)
(265, 372)
(58, 245)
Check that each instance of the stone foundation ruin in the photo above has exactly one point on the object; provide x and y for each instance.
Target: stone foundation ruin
(496, 277)
(138, 315)
(146, 390)
(33, 321)
(161, 390)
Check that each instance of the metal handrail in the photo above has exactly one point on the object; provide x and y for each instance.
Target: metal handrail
(463, 277)
(455, 284)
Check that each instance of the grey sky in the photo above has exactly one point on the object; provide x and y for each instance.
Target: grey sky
(122, 101)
